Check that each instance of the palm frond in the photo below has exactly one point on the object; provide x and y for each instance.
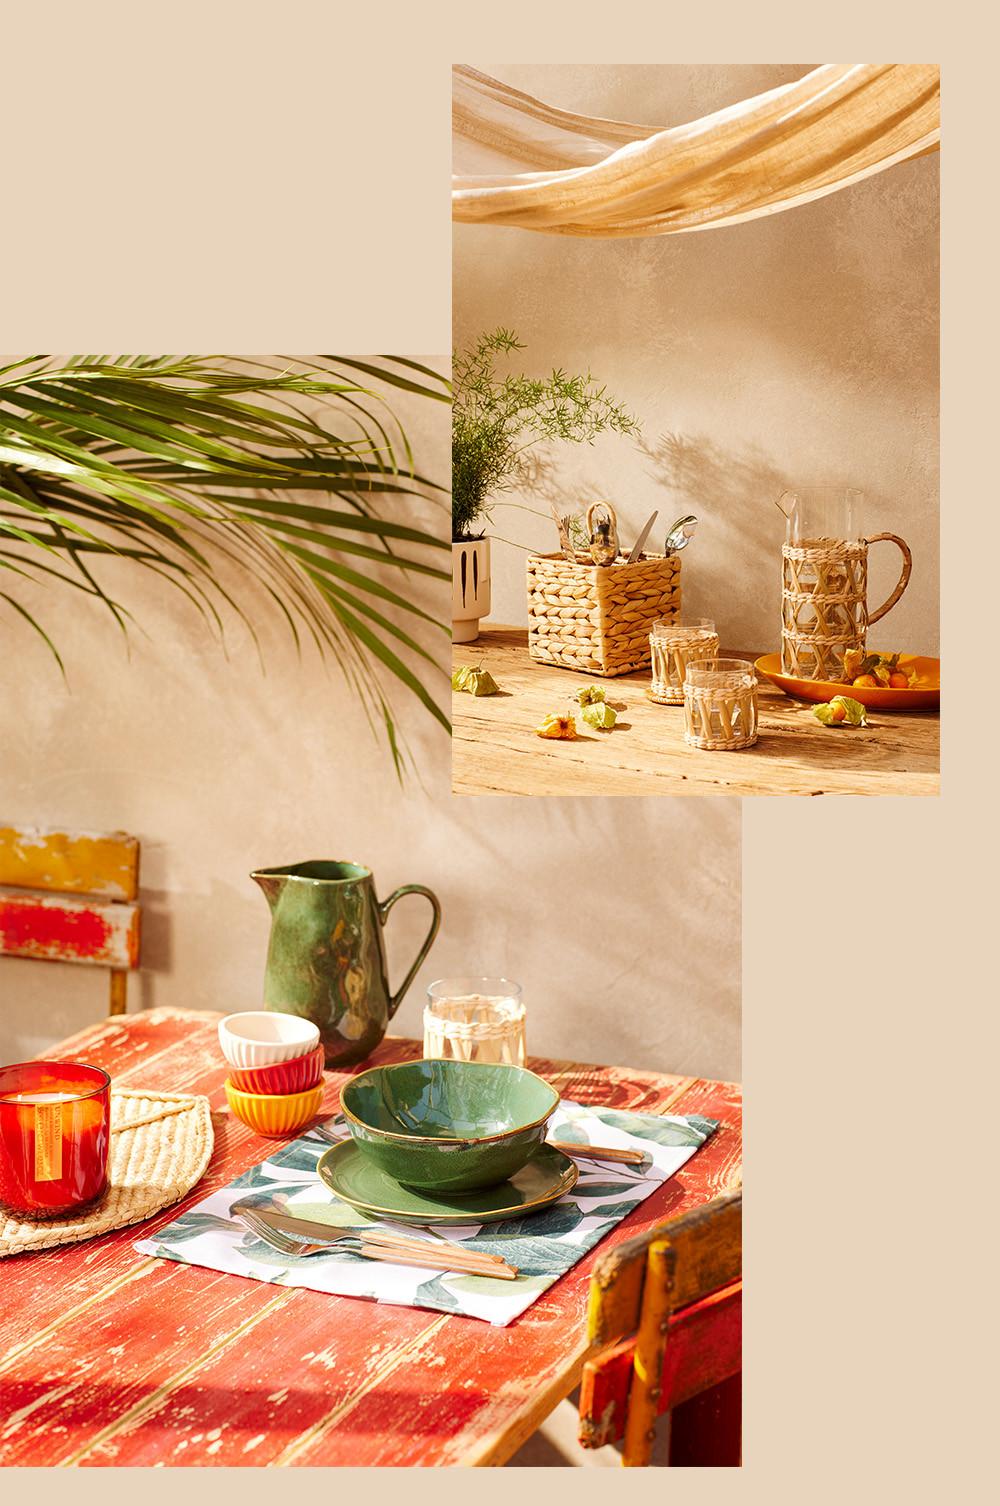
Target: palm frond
(190, 465)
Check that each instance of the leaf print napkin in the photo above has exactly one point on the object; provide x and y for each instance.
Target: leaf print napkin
(544, 1245)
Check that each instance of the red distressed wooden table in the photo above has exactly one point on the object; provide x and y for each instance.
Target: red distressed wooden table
(108, 1357)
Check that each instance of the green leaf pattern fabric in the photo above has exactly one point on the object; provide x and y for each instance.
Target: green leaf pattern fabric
(544, 1245)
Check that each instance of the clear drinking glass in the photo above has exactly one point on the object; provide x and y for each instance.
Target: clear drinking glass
(672, 646)
(720, 704)
(475, 1020)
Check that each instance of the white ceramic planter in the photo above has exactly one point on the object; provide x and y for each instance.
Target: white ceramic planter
(470, 588)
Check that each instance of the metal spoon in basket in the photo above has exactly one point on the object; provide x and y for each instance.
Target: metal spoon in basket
(680, 535)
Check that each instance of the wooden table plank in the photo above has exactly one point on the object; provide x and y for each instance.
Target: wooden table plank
(111, 1358)
(495, 750)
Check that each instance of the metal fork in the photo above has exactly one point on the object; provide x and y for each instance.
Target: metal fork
(470, 1262)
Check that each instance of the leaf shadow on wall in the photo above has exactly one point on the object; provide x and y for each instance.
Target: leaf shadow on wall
(734, 494)
(539, 483)
(732, 491)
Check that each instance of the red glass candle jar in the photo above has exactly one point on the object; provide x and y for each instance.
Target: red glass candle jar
(54, 1124)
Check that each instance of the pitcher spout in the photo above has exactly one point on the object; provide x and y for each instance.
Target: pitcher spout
(271, 883)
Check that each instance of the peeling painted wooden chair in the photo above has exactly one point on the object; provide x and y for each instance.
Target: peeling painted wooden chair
(665, 1311)
(70, 896)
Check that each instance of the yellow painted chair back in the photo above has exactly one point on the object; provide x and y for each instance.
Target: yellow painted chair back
(70, 896)
(665, 1323)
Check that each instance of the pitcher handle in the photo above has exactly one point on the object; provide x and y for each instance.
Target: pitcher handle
(384, 906)
(904, 579)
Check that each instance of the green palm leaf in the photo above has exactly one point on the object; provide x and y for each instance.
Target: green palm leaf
(182, 463)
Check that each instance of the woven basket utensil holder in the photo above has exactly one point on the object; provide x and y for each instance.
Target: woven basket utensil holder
(596, 618)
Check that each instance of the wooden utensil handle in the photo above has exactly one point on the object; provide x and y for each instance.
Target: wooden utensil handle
(598, 1152)
(468, 1267)
(444, 1247)
(904, 579)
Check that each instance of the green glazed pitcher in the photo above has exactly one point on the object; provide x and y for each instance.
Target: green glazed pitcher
(326, 960)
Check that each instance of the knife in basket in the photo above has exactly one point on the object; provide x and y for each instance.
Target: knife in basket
(644, 535)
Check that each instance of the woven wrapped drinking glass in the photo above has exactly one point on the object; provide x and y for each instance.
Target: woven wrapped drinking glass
(596, 619)
(673, 646)
(475, 1020)
(720, 705)
(824, 608)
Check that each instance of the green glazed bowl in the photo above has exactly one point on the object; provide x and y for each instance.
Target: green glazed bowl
(448, 1126)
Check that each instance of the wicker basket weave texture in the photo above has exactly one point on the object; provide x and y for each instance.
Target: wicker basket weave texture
(670, 658)
(597, 619)
(722, 720)
(824, 606)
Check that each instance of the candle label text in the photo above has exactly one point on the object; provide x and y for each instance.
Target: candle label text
(48, 1142)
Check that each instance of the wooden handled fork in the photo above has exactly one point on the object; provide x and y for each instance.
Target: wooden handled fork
(372, 1243)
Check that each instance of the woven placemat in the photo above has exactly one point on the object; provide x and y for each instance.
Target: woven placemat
(161, 1144)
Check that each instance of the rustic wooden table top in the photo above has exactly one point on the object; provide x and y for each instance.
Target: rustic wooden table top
(495, 750)
(108, 1357)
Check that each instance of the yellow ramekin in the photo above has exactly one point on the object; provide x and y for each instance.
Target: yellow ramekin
(275, 1113)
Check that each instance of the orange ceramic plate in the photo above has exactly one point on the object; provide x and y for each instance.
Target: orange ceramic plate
(926, 692)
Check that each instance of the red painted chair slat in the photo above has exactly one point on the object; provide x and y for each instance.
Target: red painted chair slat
(68, 896)
(703, 1348)
(676, 1291)
(706, 1432)
(54, 928)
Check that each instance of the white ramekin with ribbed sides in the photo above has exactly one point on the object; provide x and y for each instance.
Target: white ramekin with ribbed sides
(261, 1037)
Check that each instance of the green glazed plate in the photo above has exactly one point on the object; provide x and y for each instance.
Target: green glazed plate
(355, 1179)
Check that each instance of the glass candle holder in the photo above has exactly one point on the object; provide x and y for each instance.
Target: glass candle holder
(720, 704)
(672, 646)
(54, 1127)
(475, 1020)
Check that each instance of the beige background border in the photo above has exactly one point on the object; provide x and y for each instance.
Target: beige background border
(866, 1067)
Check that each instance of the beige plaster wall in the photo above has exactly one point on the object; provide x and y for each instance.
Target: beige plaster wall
(799, 348)
(621, 918)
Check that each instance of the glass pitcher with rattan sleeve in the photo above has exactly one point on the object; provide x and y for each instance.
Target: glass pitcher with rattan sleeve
(824, 588)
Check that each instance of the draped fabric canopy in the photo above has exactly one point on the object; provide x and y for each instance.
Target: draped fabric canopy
(577, 175)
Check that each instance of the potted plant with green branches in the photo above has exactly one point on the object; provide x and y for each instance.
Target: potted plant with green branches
(219, 472)
(495, 420)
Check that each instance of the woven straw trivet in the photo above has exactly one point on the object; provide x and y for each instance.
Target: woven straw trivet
(161, 1144)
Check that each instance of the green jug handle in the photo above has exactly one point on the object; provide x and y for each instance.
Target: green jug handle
(384, 906)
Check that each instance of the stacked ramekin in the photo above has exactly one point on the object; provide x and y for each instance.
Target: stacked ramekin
(275, 1083)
